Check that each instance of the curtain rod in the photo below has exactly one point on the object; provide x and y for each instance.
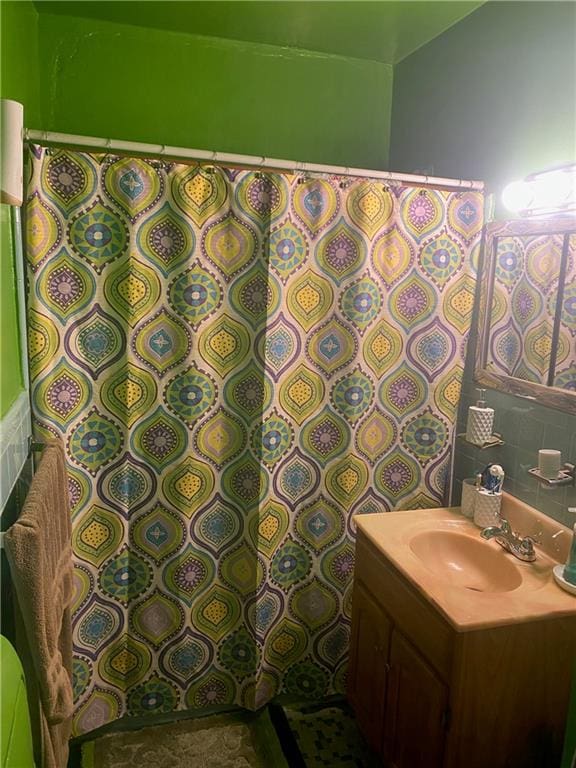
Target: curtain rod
(226, 158)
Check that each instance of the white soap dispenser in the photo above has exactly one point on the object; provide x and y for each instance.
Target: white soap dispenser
(480, 421)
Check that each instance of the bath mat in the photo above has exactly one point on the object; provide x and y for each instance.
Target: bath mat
(238, 740)
(324, 737)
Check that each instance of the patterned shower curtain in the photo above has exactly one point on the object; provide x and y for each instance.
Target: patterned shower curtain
(237, 364)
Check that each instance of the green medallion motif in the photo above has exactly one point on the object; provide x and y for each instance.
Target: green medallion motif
(158, 533)
(125, 577)
(43, 341)
(132, 289)
(154, 696)
(315, 605)
(65, 286)
(287, 249)
(396, 475)
(352, 395)
(97, 535)
(157, 618)
(301, 392)
(325, 436)
(189, 574)
(309, 299)
(255, 295)
(341, 252)
(319, 524)
(230, 244)
(159, 440)
(239, 654)
(361, 303)
(425, 436)
(81, 675)
(166, 239)
(403, 391)
(382, 347)
(162, 342)
(269, 526)
(217, 526)
(307, 680)
(286, 644)
(125, 662)
(43, 231)
(95, 341)
(242, 570)
(68, 179)
(213, 688)
(129, 394)
(271, 439)
(195, 295)
(190, 394)
(62, 394)
(134, 185)
(220, 437)
(249, 392)
(188, 485)
(224, 345)
(290, 565)
(216, 613)
(98, 235)
(95, 441)
(199, 193)
(346, 479)
(79, 490)
(245, 482)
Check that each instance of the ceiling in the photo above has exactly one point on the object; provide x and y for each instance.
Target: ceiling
(377, 30)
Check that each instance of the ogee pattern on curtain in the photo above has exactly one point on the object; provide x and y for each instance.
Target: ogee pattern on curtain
(526, 283)
(237, 363)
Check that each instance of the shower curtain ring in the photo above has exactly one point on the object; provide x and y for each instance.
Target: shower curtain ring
(214, 156)
(162, 149)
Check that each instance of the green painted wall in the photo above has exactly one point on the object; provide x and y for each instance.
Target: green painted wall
(121, 81)
(10, 369)
(493, 98)
(20, 67)
(20, 73)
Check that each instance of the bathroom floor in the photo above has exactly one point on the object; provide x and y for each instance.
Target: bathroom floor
(322, 735)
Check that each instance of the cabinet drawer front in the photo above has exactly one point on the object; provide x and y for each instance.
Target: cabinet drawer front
(408, 610)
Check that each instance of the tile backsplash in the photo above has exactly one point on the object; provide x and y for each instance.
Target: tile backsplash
(525, 427)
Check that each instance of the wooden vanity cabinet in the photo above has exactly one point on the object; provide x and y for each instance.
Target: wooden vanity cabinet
(428, 696)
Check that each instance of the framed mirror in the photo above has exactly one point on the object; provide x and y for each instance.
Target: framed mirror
(527, 342)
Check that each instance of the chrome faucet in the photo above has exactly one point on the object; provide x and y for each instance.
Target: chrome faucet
(522, 548)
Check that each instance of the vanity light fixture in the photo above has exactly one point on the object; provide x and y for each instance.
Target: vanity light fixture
(543, 193)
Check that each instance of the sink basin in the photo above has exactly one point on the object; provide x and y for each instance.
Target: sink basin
(466, 562)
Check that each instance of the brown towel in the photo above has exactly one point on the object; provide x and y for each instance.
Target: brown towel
(39, 551)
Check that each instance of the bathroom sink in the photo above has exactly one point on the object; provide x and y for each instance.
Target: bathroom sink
(466, 562)
(474, 582)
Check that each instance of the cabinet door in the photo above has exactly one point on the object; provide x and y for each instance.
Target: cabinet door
(371, 631)
(416, 710)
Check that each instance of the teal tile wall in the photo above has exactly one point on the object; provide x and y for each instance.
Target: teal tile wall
(525, 427)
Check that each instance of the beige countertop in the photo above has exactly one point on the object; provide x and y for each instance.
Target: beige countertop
(537, 595)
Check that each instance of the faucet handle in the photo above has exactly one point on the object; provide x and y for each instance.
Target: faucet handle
(527, 545)
(505, 525)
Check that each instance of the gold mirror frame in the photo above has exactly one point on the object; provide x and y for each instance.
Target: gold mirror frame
(554, 397)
